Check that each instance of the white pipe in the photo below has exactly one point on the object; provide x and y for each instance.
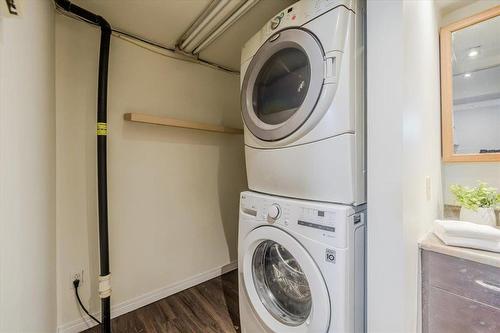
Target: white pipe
(229, 22)
(204, 22)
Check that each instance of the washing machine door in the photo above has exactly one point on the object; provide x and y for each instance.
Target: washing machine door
(282, 84)
(283, 283)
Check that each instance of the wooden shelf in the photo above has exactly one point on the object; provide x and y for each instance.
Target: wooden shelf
(165, 121)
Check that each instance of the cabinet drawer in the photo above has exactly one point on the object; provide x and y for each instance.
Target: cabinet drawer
(463, 277)
(450, 313)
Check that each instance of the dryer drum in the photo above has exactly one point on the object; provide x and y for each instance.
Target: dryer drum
(281, 86)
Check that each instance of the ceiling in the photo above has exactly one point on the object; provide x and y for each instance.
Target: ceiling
(164, 21)
(447, 6)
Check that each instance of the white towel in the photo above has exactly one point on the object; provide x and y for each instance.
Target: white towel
(467, 234)
(469, 230)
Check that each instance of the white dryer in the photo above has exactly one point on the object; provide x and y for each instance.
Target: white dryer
(303, 101)
(301, 266)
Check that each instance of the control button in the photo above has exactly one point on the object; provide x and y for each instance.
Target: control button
(273, 212)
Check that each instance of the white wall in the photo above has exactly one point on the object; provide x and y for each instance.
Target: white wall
(173, 193)
(468, 173)
(27, 171)
(403, 150)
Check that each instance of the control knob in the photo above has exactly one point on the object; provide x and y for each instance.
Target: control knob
(275, 22)
(273, 212)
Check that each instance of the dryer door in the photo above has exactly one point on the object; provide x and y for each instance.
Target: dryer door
(283, 283)
(282, 84)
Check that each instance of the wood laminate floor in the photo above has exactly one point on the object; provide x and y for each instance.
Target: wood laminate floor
(210, 307)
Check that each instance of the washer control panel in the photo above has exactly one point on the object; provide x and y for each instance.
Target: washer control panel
(328, 221)
(319, 219)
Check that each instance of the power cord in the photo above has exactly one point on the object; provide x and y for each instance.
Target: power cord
(76, 283)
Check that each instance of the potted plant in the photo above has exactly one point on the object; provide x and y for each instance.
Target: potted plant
(477, 203)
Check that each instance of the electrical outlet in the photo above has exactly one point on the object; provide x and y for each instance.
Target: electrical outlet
(76, 274)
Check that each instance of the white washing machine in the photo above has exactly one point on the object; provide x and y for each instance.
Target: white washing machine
(301, 266)
(303, 103)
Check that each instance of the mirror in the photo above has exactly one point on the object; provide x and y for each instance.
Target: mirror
(470, 88)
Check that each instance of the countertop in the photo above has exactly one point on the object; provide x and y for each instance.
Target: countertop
(434, 244)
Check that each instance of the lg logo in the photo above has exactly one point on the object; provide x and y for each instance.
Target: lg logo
(330, 255)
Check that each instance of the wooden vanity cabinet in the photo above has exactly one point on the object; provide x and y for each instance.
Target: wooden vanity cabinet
(459, 295)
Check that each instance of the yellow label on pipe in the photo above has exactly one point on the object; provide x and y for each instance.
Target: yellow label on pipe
(102, 129)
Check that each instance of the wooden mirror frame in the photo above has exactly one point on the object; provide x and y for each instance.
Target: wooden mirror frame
(447, 90)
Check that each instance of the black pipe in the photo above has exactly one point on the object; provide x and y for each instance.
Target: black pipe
(102, 178)
(102, 187)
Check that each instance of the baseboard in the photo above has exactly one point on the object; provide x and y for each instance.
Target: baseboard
(119, 309)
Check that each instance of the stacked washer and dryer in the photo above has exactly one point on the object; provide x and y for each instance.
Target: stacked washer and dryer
(302, 225)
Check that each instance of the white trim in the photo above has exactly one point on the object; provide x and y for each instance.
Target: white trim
(119, 309)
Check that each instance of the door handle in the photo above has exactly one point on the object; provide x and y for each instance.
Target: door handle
(489, 286)
(273, 38)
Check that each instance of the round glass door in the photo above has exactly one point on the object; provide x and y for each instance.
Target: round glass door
(282, 84)
(281, 284)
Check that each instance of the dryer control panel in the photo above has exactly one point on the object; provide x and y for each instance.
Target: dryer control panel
(329, 222)
(326, 19)
(301, 12)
